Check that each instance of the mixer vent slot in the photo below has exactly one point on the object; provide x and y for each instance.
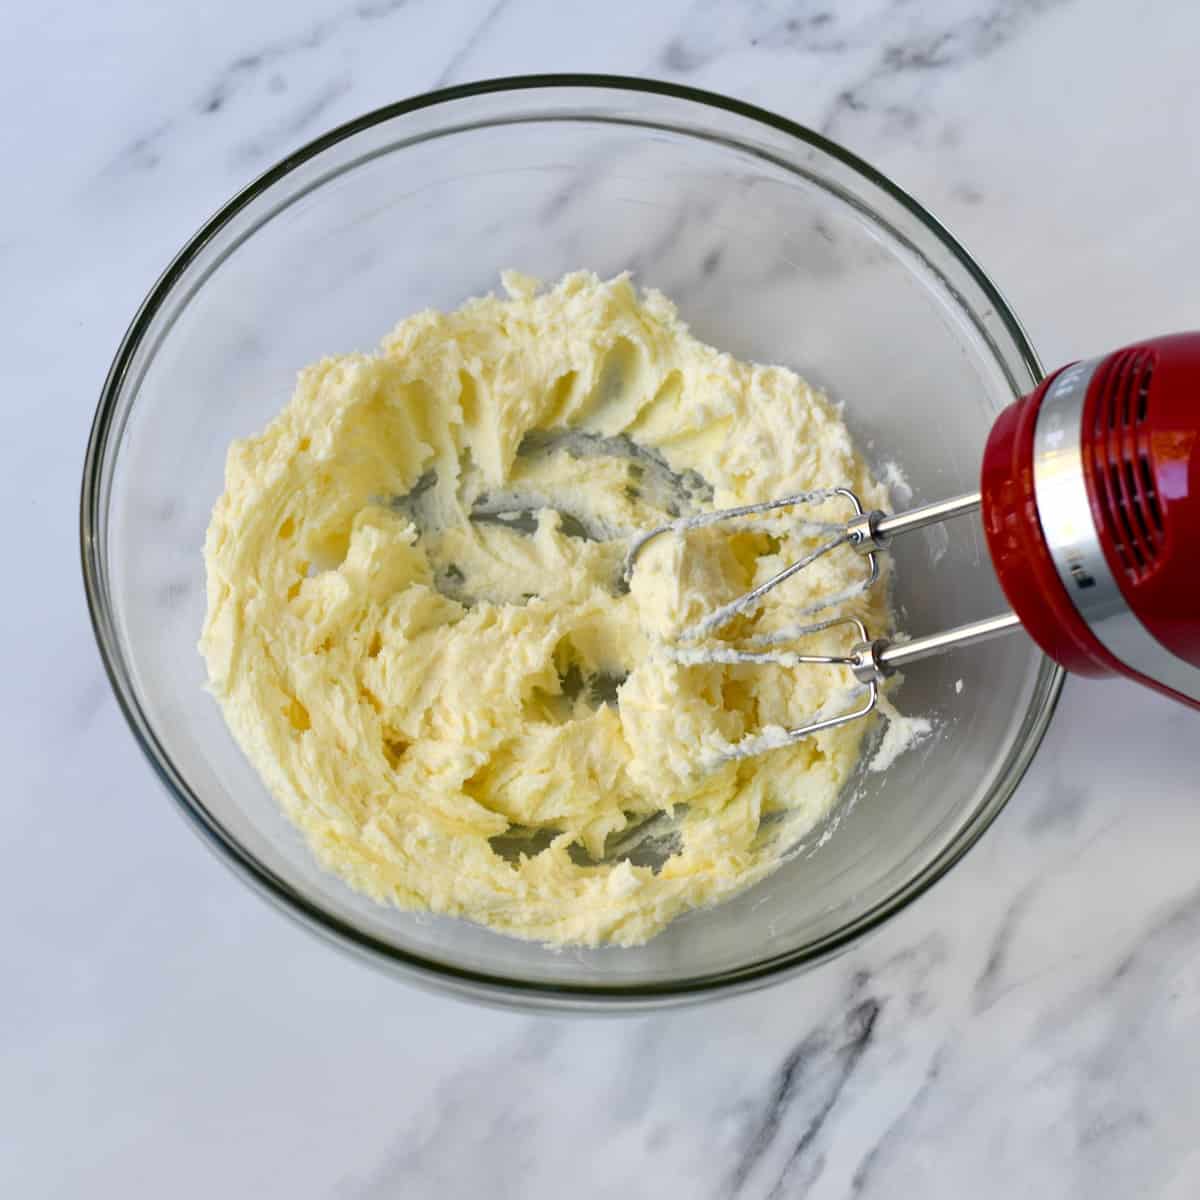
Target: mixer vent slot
(1121, 473)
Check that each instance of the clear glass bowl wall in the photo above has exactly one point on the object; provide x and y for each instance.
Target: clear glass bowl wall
(778, 247)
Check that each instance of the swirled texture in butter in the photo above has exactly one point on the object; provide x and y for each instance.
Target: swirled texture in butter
(418, 632)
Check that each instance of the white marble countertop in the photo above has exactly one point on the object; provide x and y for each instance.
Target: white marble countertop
(165, 1033)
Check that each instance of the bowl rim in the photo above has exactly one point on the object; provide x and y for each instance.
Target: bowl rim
(481, 985)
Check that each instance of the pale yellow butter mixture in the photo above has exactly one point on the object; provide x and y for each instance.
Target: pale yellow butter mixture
(418, 632)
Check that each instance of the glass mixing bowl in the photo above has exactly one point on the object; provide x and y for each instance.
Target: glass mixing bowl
(778, 246)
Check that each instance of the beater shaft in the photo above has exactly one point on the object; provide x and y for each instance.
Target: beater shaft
(873, 530)
(870, 531)
(878, 659)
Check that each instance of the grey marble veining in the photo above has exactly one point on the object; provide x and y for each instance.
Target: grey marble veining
(1027, 1028)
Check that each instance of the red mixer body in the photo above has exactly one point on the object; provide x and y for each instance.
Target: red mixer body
(1091, 507)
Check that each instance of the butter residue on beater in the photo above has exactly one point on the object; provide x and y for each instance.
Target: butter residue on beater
(422, 669)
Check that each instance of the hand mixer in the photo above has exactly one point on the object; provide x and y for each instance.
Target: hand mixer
(1090, 499)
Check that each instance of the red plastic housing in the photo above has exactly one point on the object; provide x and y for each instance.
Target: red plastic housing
(1141, 451)
(1140, 440)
